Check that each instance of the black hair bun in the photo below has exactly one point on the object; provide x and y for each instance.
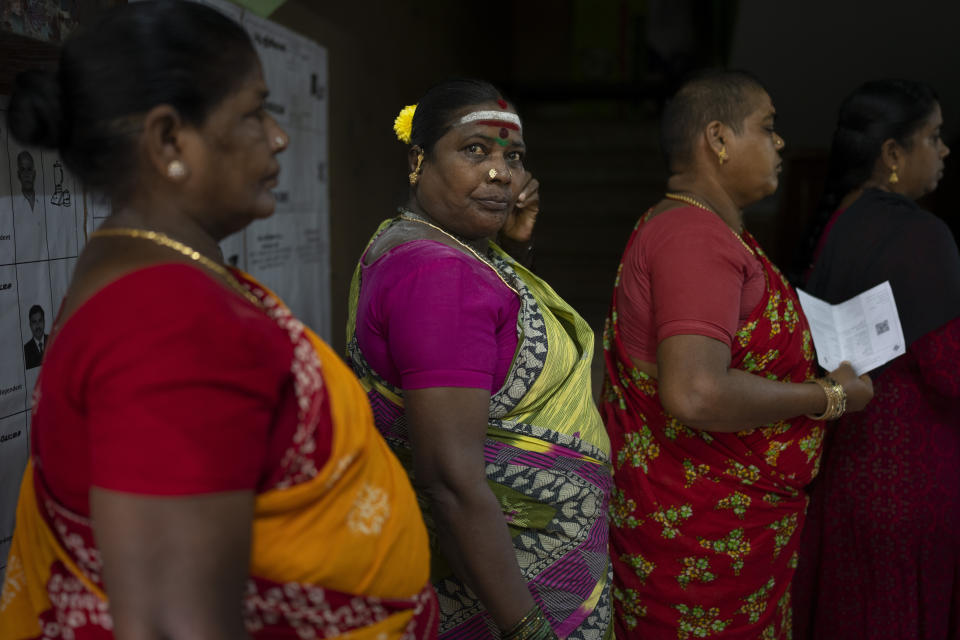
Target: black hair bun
(35, 117)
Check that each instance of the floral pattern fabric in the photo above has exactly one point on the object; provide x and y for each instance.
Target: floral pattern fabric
(705, 525)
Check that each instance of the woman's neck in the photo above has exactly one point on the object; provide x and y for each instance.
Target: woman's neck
(177, 225)
(851, 197)
(711, 194)
(477, 244)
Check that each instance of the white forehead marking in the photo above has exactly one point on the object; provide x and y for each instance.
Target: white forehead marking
(502, 116)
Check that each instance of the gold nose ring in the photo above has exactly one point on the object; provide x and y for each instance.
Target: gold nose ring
(280, 141)
(493, 174)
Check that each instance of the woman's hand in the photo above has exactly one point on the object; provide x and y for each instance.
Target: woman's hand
(859, 390)
(516, 235)
(518, 228)
(448, 427)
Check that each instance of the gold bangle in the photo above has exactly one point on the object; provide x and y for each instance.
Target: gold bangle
(829, 392)
(530, 615)
(836, 399)
(532, 626)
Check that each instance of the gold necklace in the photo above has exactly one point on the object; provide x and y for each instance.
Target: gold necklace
(679, 197)
(410, 216)
(164, 240)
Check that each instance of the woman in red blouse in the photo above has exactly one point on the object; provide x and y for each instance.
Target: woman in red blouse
(202, 465)
(710, 379)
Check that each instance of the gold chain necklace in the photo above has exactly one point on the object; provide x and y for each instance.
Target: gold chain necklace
(410, 216)
(679, 197)
(164, 240)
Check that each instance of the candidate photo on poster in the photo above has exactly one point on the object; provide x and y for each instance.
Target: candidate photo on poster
(34, 347)
(27, 177)
(36, 315)
(29, 210)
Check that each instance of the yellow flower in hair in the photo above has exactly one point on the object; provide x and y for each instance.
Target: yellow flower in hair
(403, 125)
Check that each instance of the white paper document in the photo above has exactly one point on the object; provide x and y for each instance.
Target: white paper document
(864, 330)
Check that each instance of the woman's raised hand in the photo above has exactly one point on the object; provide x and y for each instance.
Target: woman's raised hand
(520, 222)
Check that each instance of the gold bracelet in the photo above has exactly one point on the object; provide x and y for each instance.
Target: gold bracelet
(532, 626)
(829, 390)
(530, 615)
(836, 399)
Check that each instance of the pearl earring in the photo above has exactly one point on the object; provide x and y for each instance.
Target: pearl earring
(176, 170)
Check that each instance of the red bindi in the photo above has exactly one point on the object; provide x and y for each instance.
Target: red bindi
(504, 133)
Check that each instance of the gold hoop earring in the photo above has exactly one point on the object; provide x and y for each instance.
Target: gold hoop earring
(894, 178)
(414, 176)
(176, 170)
(722, 154)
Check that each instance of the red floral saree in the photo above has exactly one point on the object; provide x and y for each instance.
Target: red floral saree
(705, 525)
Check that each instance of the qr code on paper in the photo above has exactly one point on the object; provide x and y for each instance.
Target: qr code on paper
(882, 327)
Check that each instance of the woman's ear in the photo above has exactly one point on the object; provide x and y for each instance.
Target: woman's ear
(162, 142)
(716, 134)
(891, 154)
(415, 157)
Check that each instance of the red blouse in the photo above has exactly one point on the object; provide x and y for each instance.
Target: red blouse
(164, 383)
(689, 274)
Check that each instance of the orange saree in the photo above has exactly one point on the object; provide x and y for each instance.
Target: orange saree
(339, 550)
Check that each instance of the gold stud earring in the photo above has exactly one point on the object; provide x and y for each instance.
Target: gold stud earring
(493, 174)
(894, 178)
(176, 170)
(722, 154)
(415, 174)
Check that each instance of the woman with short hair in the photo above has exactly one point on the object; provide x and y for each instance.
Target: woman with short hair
(881, 556)
(715, 415)
(479, 376)
(212, 471)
